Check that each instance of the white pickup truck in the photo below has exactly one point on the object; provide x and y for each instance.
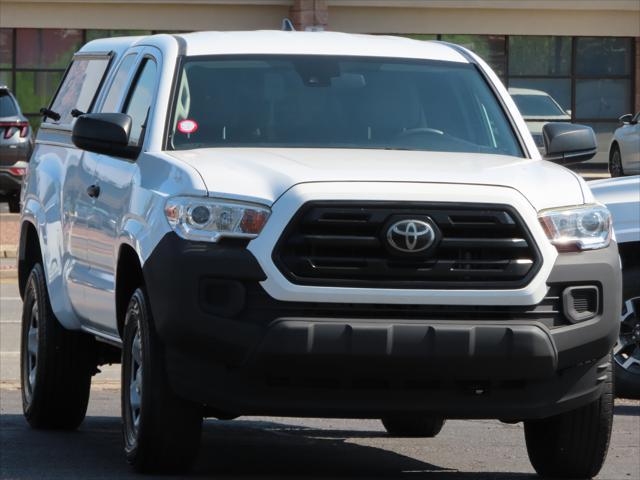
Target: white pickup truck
(313, 224)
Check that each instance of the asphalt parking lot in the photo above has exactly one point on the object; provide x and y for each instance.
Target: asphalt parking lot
(269, 448)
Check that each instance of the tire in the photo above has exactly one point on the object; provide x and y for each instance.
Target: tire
(56, 365)
(161, 431)
(615, 163)
(573, 444)
(626, 353)
(410, 426)
(14, 204)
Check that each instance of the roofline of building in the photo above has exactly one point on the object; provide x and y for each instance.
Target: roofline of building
(610, 5)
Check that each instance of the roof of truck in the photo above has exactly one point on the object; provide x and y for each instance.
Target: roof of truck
(291, 43)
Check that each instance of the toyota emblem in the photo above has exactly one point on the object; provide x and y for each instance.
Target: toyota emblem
(410, 236)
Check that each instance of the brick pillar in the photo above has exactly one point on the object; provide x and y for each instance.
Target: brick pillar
(309, 14)
(637, 109)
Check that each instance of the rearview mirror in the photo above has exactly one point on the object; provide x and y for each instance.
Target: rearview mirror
(106, 133)
(567, 143)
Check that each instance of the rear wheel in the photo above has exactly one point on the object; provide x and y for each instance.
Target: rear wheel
(573, 444)
(412, 426)
(56, 364)
(161, 431)
(615, 162)
(626, 353)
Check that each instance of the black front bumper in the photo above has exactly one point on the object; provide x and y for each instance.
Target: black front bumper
(231, 346)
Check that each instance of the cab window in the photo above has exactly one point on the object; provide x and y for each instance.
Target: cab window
(117, 88)
(139, 99)
(79, 87)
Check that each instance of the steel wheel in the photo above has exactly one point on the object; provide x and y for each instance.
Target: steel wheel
(135, 384)
(615, 164)
(626, 353)
(31, 356)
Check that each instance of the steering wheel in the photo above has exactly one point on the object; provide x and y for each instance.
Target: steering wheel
(418, 131)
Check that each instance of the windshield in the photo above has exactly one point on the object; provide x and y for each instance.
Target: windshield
(337, 102)
(538, 106)
(7, 106)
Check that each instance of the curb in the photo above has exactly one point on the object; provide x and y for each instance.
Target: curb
(8, 251)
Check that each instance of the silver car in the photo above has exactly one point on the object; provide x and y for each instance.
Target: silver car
(624, 152)
(537, 109)
(16, 144)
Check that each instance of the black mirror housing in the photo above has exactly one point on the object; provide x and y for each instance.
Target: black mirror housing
(106, 133)
(626, 119)
(568, 143)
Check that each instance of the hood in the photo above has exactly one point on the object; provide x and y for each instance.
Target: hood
(263, 175)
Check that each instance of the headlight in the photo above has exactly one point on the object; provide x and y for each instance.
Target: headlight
(574, 229)
(208, 219)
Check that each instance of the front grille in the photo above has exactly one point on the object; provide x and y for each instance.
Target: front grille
(345, 244)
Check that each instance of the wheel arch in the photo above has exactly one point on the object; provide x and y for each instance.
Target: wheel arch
(29, 252)
(129, 276)
(629, 255)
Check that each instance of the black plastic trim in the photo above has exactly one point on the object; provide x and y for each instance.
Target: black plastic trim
(381, 282)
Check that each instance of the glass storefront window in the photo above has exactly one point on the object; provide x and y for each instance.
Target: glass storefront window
(604, 133)
(545, 56)
(602, 98)
(35, 89)
(6, 47)
(558, 88)
(46, 47)
(603, 56)
(6, 79)
(95, 34)
(491, 48)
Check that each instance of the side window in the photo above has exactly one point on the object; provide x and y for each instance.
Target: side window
(116, 90)
(79, 87)
(139, 100)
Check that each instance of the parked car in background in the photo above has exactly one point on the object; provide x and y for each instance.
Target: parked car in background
(624, 153)
(622, 197)
(16, 145)
(538, 108)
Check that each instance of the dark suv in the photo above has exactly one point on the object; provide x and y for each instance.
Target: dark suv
(16, 144)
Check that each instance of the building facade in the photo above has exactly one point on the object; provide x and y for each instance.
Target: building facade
(583, 53)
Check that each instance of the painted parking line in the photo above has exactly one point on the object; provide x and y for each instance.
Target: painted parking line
(10, 299)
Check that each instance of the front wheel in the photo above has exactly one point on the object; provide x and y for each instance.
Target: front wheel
(413, 426)
(161, 431)
(56, 364)
(615, 163)
(573, 444)
(626, 353)
(14, 204)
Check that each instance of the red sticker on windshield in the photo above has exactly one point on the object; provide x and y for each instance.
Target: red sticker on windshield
(187, 126)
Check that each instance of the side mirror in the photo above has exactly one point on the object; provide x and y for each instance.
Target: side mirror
(106, 133)
(567, 143)
(626, 119)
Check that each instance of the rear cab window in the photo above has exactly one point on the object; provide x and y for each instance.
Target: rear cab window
(80, 87)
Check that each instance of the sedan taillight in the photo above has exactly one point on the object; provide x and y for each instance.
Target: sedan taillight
(10, 129)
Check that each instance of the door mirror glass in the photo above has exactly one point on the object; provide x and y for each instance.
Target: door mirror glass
(106, 133)
(567, 143)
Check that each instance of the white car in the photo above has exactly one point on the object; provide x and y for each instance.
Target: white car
(622, 197)
(624, 152)
(538, 108)
(313, 224)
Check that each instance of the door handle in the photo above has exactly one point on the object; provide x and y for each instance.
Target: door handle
(93, 191)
